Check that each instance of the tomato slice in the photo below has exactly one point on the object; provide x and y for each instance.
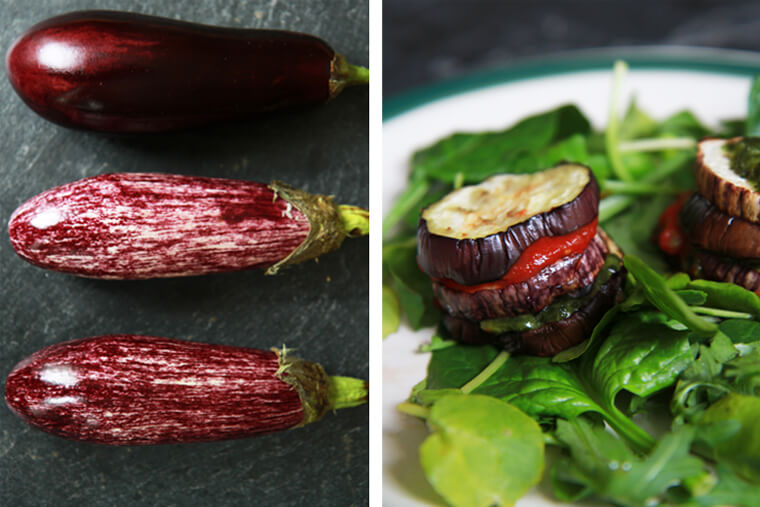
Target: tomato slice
(540, 254)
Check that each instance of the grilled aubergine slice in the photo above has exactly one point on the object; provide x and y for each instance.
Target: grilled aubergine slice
(722, 222)
(564, 323)
(476, 233)
(490, 301)
(717, 180)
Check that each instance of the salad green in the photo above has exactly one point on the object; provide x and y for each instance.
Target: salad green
(675, 348)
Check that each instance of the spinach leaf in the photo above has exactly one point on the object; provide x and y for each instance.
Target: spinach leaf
(541, 388)
(410, 285)
(601, 464)
(632, 231)
(682, 124)
(479, 155)
(482, 451)
(637, 123)
(691, 296)
(454, 366)
(639, 356)
(740, 330)
(729, 490)
(391, 311)
(740, 451)
(728, 296)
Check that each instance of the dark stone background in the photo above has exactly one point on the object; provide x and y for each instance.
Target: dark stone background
(428, 40)
(319, 308)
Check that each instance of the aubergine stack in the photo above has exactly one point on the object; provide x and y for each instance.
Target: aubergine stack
(721, 222)
(518, 261)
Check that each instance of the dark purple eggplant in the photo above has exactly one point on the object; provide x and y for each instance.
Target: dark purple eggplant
(531, 296)
(127, 72)
(703, 264)
(709, 228)
(475, 234)
(551, 338)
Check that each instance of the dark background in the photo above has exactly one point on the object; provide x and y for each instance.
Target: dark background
(321, 309)
(428, 40)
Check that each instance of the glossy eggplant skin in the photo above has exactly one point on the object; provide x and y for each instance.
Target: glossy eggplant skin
(531, 296)
(127, 72)
(704, 264)
(551, 338)
(711, 229)
(153, 225)
(141, 390)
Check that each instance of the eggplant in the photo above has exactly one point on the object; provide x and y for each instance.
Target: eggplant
(152, 225)
(530, 296)
(476, 233)
(551, 338)
(703, 264)
(711, 229)
(144, 390)
(721, 185)
(127, 72)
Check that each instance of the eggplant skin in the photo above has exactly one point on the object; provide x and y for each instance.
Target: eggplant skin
(127, 72)
(530, 296)
(550, 338)
(704, 264)
(728, 191)
(479, 260)
(708, 227)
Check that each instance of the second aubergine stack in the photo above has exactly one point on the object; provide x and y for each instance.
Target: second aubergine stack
(518, 261)
(721, 222)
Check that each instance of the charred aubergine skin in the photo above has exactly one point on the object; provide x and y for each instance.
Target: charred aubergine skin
(551, 338)
(713, 230)
(128, 72)
(530, 296)
(471, 261)
(718, 183)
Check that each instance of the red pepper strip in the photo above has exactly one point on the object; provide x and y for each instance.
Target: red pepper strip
(671, 238)
(541, 253)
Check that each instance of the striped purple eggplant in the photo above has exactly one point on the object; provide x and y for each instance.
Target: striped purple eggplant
(149, 225)
(142, 390)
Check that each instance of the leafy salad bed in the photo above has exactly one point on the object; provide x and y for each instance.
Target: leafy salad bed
(687, 349)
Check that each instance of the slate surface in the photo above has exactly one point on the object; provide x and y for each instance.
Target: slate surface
(319, 308)
(428, 40)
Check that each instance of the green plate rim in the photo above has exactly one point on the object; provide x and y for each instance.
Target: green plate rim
(702, 59)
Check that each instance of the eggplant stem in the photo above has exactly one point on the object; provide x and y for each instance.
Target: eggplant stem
(355, 220)
(343, 74)
(345, 392)
(356, 75)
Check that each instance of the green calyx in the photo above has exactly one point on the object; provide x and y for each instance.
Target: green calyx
(343, 74)
(318, 391)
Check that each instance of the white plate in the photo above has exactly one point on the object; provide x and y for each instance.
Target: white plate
(713, 84)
